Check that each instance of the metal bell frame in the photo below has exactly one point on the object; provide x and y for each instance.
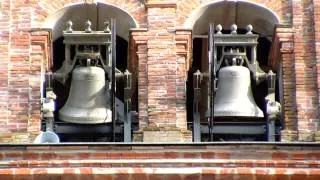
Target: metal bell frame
(97, 39)
(218, 39)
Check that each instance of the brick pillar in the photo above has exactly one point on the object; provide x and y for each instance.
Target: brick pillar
(5, 23)
(305, 70)
(164, 96)
(316, 21)
(21, 64)
(138, 67)
(183, 40)
(40, 62)
(17, 72)
(282, 48)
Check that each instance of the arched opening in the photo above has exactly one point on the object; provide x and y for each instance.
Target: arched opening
(227, 13)
(97, 14)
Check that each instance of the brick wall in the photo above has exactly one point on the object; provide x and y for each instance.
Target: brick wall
(163, 162)
(161, 50)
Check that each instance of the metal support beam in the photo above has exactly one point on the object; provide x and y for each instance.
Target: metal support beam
(113, 78)
(272, 107)
(127, 106)
(196, 112)
(235, 129)
(127, 128)
(271, 131)
(196, 122)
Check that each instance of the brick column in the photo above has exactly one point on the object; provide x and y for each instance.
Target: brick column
(22, 55)
(282, 53)
(316, 21)
(305, 69)
(165, 74)
(138, 67)
(183, 40)
(17, 72)
(5, 23)
(40, 62)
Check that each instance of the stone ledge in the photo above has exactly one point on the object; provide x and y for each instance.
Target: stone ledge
(244, 145)
(177, 161)
(159, 163)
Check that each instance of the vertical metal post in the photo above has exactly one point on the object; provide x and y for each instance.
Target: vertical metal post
(127, 107)
(48, 105)
(271, 98)
(281, 93)
(67, 53)
(196, 112)
(271, 130)
(113, 78)
(212, 76)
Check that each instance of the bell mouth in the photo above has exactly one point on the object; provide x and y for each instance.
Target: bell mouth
(237, 109)
(85, 116)
(238, 119)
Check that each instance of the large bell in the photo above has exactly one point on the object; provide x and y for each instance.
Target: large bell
(234, 96)
(87, 101)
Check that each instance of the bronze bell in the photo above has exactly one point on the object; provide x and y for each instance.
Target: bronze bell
(234, 96)
(87, 101)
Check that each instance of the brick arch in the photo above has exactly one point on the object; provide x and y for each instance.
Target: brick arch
(187, 9)
(242, 13)
(46, 8)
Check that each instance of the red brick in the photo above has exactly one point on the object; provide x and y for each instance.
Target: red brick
(22, 171)
(209, 171)
(68, 171)
(70, 177)
(191, 177)
(39, 171)
(30, 155)
(299, 156)
(190, 155)
(265, 177)
(140, 176)
(222, 155)
(85, 170)
(171, 155)
(6, 172)
(207, 177)
(103, 177)
(156, 177)
(314, 155)
(173, 177)
(279, 155)
(13, 155)
(99, 155)
(83, 155)
(122, 177)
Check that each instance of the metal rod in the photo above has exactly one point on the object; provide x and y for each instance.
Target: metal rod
(212, 77)
(196, 113)
(127, 107)
(113, 80)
